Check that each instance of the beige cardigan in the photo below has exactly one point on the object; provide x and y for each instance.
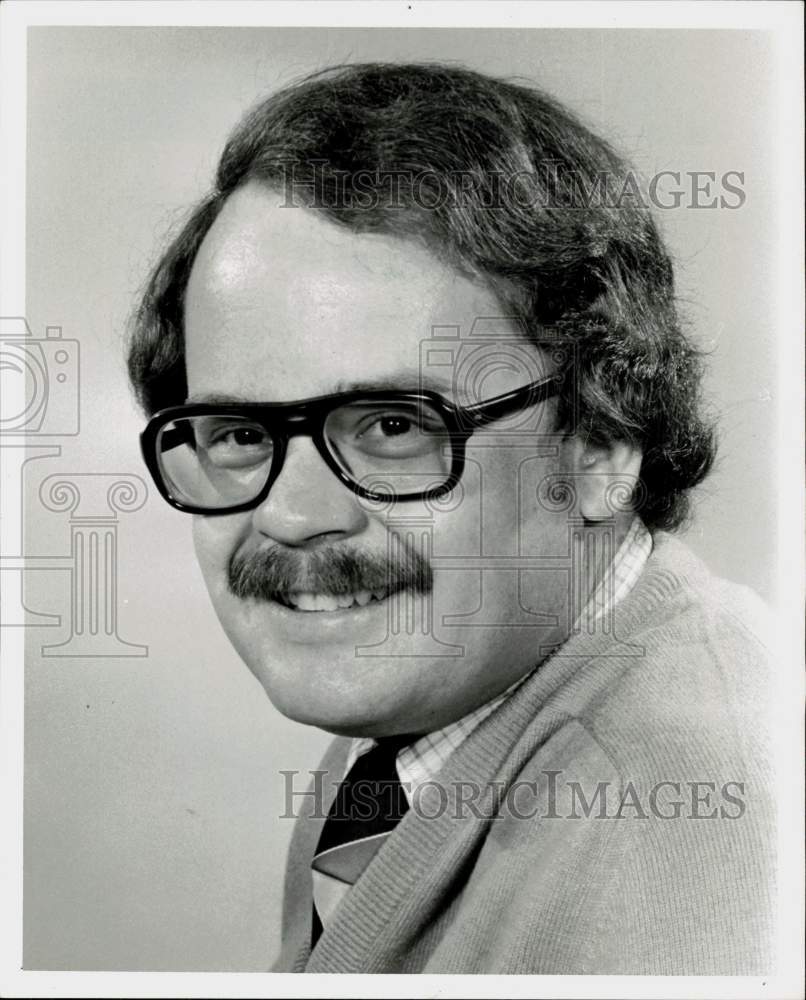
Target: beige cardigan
(525, 884)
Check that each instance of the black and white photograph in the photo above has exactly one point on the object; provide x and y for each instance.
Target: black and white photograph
(483, 655)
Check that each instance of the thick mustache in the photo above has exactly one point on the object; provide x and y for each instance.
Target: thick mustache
(274, 572)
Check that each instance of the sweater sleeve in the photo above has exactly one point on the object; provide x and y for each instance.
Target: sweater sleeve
(692, 882)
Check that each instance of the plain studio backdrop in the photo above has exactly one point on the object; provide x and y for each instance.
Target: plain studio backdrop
(153, 789)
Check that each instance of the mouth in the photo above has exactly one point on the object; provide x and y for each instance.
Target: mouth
(311, 603)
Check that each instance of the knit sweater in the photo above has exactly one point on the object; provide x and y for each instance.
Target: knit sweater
(613, 816)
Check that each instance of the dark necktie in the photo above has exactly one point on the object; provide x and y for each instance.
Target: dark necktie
(369, 804)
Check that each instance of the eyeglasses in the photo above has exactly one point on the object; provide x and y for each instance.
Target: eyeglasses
(209, 458)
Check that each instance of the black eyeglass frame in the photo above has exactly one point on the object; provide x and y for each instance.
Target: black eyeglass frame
(308, 416)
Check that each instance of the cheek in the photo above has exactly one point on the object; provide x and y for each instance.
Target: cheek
(479, 519)
(215, 539)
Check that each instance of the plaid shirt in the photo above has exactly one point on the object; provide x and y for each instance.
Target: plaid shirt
(422, 760)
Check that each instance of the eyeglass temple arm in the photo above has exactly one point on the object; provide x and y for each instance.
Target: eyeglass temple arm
(509, 402)
(172, 438)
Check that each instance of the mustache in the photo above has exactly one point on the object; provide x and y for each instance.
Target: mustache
(274, 572)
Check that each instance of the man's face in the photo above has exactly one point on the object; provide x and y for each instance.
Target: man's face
(283, 305)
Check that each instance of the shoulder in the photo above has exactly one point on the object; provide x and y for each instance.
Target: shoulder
(658, 777)
(699, 604)
(691, 680)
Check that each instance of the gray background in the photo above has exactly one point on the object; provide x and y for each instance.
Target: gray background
(152, 837)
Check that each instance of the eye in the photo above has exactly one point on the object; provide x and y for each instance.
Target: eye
(394, 432)
(241, 437)
(392, 426)
(233, 444)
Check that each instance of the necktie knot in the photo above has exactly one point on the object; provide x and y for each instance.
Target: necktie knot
(370, 800)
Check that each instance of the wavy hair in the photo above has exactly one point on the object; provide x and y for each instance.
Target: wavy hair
(502, 181)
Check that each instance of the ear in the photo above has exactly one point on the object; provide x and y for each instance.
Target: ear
(605, 476)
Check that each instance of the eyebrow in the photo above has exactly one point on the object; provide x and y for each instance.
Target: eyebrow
(215, 398)
(406, 380)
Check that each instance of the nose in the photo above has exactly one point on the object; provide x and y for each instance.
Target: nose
(307, 505)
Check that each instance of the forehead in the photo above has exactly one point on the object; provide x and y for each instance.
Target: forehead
(282, 303)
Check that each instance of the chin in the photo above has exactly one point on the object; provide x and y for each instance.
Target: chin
(338, 720)
(336, 703)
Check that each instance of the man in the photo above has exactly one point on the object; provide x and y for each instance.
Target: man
(415, 369)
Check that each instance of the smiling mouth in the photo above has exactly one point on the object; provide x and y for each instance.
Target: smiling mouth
(310, 602)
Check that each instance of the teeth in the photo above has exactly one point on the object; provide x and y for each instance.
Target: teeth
(329, 602)
(314, 602)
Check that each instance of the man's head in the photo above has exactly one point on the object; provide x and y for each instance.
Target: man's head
(360, 219)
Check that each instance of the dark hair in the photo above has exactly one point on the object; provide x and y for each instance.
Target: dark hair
(504, 182)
